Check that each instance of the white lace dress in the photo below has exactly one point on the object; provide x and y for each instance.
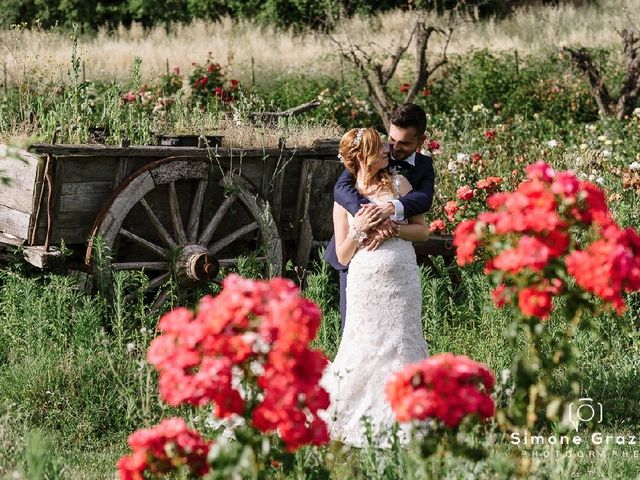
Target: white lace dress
(383, 333)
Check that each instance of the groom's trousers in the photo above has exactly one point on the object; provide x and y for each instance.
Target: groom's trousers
(343, 297)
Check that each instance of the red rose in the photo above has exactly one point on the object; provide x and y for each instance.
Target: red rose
(465, 193)
(436, 226)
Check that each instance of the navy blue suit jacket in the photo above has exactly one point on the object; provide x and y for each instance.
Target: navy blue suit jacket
(421, 177)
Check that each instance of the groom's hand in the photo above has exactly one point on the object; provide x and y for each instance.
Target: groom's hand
(379, 234)
(377, 212)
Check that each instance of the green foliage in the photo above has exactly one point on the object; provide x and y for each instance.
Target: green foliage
(93, 13)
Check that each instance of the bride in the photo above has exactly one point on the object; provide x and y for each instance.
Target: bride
(383, 328)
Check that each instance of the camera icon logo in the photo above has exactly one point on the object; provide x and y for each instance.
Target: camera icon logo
(585, 410)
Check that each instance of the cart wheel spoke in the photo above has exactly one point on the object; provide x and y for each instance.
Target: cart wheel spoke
(174, 206)
(196, 210)
(209, 230)
(152, 285)
(144, 243)
(231, 262)
(232, 237)
(160, 299)
(155, 221)
(162, 266)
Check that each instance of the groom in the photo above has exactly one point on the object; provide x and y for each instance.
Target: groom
(406, 136)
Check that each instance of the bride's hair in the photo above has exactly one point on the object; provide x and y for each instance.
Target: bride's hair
(367, 142)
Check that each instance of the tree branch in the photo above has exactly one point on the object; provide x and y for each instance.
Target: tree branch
(584, 62)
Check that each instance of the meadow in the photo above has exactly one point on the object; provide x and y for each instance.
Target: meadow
(74, 377)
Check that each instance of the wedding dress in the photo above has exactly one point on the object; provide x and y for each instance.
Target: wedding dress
(383, 333)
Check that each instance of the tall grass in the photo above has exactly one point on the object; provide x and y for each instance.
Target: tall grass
(37, 54)
(74, 382)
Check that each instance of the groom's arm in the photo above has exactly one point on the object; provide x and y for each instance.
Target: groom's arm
(346, 195)
(419, 199)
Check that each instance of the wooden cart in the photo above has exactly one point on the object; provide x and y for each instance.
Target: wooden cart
(175, 212)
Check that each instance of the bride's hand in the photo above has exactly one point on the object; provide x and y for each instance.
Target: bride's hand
(367, 217)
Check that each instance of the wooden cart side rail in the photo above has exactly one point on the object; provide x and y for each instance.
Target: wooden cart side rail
(323, 149)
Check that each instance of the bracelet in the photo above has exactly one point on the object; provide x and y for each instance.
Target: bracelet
(357, 235)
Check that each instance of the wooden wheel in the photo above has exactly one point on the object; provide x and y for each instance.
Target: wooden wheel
(183, 219)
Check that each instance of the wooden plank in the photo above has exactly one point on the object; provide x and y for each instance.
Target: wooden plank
(8, 239)
(303, 225)
(14, 222)
(163, 151)
(88, 169)
(45, 260)
(72, 227)
(324, 177)
(84, 197)
(23, 175)
(122, 171)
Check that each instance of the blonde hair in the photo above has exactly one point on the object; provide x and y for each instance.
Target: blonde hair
(368, 146)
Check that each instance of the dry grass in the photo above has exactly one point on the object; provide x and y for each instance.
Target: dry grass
(295, 136)
(40, 56)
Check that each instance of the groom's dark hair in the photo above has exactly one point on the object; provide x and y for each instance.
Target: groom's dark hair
(410, 115)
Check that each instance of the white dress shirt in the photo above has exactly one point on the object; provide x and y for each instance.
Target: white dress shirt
(399, 215)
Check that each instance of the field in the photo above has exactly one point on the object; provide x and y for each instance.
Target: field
(74, 377)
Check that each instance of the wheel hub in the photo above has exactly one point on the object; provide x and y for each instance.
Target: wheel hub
(194, 264)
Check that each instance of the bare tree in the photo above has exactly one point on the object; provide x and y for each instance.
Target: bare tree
(622, 106)
(376, 73)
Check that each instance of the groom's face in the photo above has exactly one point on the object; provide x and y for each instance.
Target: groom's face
(404, 141)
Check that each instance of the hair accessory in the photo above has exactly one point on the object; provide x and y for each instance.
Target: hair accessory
(341, 158)
(358, 139)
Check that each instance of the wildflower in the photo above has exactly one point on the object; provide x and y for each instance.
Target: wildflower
(552, 143)
(632, 166)
(583, 146)
(490, 134)
(477, 107)
(433, 145)
(404, 88)
(476, 157)
(606, 153)
(462, 158)
(426, 92)
(602, 138)
(129, 97)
